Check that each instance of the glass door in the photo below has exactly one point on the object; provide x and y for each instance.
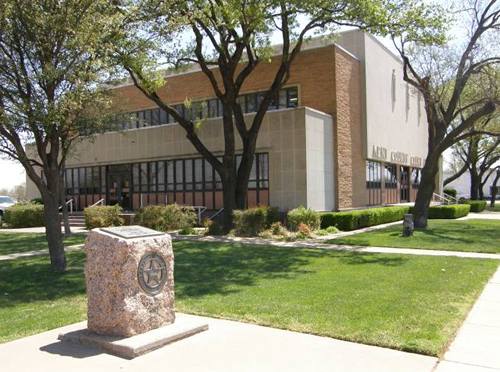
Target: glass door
(119, 185)
(404, 184)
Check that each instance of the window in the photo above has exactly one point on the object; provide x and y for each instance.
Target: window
(144, 177)
(170, 175)
(152, 176)
(212, 108)
(373, 175)
(390, 176)
(292, 97)
(161, 175)
(415, 178)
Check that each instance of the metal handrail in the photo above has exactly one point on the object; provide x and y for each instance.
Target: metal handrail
(70, 202)
(199, 210)
(445, 199)
(99, 202)
(216, 214)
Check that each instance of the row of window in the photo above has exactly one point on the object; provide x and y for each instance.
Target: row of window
(395, 179)
(194, 174)
(376, 171)
(212, 108)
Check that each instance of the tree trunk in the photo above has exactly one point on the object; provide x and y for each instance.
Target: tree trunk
(229, 199)
(494, 189)
(67, 228)
(425, 191)
(53, 231)
(475, 185)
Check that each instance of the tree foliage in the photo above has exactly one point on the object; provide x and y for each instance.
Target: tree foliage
(53, 54)
(445, 75)
(227, 40)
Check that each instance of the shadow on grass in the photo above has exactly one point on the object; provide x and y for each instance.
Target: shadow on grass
(200, 269)
(19, 242)
(353, 258)
(26, 280)
(207, 268)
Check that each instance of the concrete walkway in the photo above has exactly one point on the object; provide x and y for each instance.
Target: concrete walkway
(483, 215)
(41, 252)
(313, 244)
(227, 346)
(477, 345)
(41, 230)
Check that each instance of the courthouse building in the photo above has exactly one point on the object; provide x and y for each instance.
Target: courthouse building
(345, 132)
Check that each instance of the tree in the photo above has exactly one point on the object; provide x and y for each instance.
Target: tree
(477, 154)
(228, 39)
(442, 78)
(52, 56)
(494, 188)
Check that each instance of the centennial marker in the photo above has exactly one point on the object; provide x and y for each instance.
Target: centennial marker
(129, 275)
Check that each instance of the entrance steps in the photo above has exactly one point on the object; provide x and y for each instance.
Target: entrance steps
(76, 219)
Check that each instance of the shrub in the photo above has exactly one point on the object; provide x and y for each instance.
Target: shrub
(476, 205)
(250, 222)
(273, 216)
(448, 211)
(305, 216)
(304, 231)
(36, 201)
(24, 215)
(451, 192)
(213, 228)
(357, 219)
(102, 216)
(253, 221)
(332, 230)
(278, 229)
(189, 230)
(166, 217)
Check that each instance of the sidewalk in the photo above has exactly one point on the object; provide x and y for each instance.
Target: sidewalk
(477, 345)
(227, 346)
(483, 215)
(41, 252)
(41, 230)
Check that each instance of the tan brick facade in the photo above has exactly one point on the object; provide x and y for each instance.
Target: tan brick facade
(350, 164)
(329, 80)
(312, 72)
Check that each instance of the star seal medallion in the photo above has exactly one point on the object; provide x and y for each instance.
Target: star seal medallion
(152, 273)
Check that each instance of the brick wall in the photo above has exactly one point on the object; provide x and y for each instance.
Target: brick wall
(350, 164)
(312, 72)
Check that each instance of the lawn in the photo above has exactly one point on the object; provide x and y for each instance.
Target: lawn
(496, 208)
(413, 303)
(19, 242)
(450, 235)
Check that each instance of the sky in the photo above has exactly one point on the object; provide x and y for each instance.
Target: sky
(11, 174)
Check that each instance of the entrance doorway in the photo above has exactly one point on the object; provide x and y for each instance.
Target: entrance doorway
(404, 184)
(119, 185)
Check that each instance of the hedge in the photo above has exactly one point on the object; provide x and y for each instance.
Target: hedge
(448, 211)
(24, 215)
(356, 219)
(476, 205)
(166, 217)
(102, 216)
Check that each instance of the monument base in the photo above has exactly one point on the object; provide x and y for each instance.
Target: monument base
(131, 347)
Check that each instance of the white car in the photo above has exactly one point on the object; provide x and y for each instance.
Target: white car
(5, 202)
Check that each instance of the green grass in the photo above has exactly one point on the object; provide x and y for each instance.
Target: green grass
(496, 208)
(19, 242)
(413, 303)
(450, 235)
